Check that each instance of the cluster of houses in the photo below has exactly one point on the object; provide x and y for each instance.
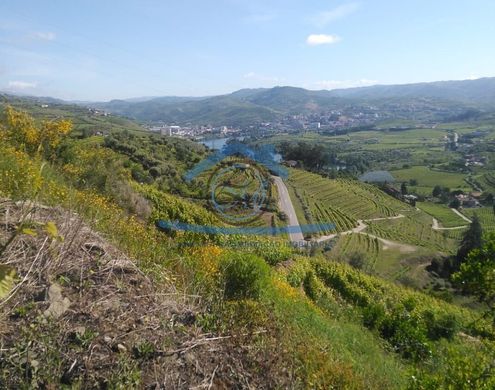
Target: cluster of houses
(472, 160)
(470, 200)
(193, 131)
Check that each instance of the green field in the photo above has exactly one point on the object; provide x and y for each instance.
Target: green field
(428, 178)
(487, 181)
(445, 216)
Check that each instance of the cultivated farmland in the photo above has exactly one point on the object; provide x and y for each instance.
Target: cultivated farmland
(486, 216)
(442, 213)
(341, 202)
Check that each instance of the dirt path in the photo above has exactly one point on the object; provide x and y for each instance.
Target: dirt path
(461, 215)
(361, 226)
(387, 244)
(436, 226)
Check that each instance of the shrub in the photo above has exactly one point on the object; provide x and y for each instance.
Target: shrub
(313, 287)
(440, 325)
(273, 252)
(373, 316)
(245, 276)
(357, 260)
(406, 333)
(20, 176)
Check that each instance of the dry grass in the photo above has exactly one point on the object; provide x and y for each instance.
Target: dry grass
(109, 325)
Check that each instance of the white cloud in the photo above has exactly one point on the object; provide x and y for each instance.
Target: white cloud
(326, 17)
(44, 35)
(322, 39)
(338, 84)
(20, 85)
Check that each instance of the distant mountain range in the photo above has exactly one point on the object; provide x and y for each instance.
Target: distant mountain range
(248, 106)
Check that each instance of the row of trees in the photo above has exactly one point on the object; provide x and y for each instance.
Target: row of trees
(312, 156)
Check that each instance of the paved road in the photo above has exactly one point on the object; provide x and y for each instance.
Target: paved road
(285, 204)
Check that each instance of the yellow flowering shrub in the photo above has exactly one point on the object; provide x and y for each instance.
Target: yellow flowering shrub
(20, 176)
(21, 131)
(207, 258)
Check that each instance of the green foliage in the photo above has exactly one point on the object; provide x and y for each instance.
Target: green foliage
(143, 350)
(477, 272)
(7, 275)
(160, 160)
(245, 276)
(454, 366)
(440, 325)
(442, 213)
(408, 320)
(340, 202)
(406, 332)
(472, 240)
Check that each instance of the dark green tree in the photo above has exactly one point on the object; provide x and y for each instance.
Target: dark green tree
(455, 203)
(477, 274)
(403, 189)
(473, 239)
(437, 191)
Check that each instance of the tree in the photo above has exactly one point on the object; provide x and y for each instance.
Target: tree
(455, 204)
(437, 191)
(488, 200)
(357, 260)
(413, 182)
(403, 189)
(477, 274)
(473, 239)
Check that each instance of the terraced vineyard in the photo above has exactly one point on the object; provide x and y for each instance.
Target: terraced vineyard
(486, 216)
(359, 243)
(341, 202)
(415, 229)
(488, 181)
(442, 213)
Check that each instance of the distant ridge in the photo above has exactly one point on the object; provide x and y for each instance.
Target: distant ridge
(248, 106)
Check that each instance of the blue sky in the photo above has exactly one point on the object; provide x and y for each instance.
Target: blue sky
(99, 50)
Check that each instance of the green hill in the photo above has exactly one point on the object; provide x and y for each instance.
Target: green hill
(446, 100)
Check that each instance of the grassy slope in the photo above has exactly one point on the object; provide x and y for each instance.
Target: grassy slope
(81, 118)
(442, 213)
